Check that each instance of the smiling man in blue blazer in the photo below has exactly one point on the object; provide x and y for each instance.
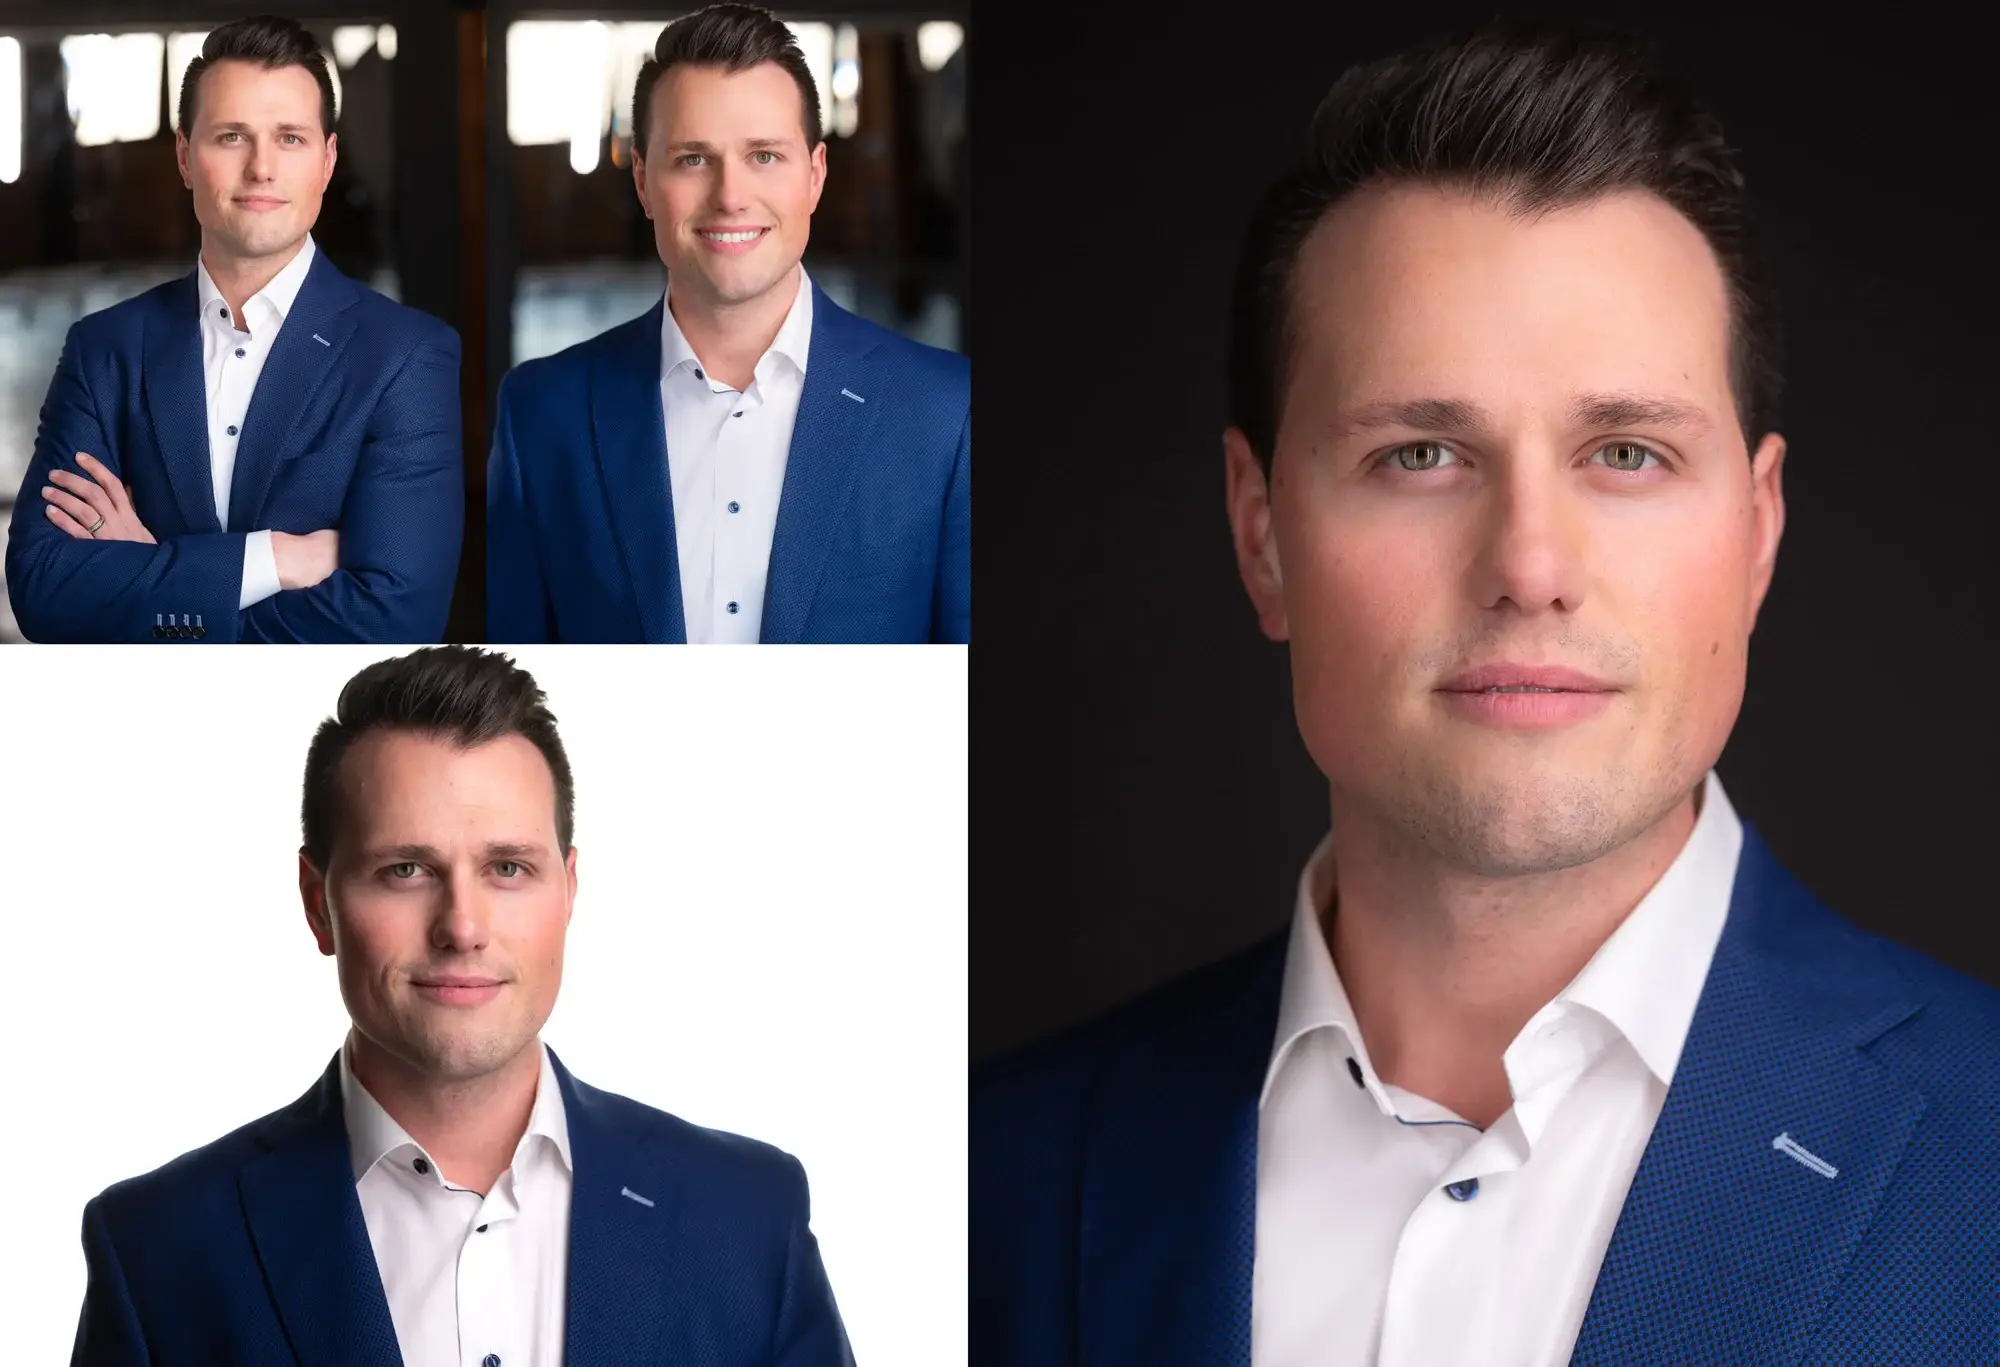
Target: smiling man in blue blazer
(748, 461)
(447, 1192)
(262, 450)
(1555, 1063)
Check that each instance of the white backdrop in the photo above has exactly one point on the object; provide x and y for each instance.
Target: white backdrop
(769, 937)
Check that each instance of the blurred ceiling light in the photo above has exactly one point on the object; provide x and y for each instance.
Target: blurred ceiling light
(385, 42)
(113, 85)
(846, 82)
(937, 41)
(10, 110)
(352, 42)
(182, 48)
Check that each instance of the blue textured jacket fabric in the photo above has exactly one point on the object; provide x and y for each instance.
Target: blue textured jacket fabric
(355, 426)
(253, 1251)
(874, 533)
(1113, 1169)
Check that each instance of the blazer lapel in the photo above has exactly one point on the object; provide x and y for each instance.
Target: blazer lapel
(177, 403)
(622, 1215)
(1730, 1244)
(837, 412)
(629, 435)
(1169, 1188)
(309, 346)
(305, 1220)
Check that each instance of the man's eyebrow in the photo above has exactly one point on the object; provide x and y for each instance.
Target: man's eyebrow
(423, 854)
(754, 144)
(1425, 415)
(401, 854)
(514, 849)
(1636, 410)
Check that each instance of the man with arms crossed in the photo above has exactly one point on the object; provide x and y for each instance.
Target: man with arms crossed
(748, 461)
(447, 1193)
(262, 450)
(1556, 1063)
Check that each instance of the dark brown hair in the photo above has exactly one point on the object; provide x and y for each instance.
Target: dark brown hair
(1543, 117)
(735, 38)
(271, 42)
(461, 694)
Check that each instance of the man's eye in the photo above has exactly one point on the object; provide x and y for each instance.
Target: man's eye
(402, 872)
(509, 868)
(1418, 456)
(690, 160)
(1627, 456)
(764, 158)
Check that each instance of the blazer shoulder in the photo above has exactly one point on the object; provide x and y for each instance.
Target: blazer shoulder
(721, 1160)
(912, 362)
(192, 1181)
(1951, 1044)
(564, 372)
(388, 316)
(1060, 1070)
(120, 323)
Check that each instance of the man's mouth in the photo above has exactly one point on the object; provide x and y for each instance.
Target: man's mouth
(730, 234)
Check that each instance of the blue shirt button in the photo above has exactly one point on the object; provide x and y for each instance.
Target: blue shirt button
(239, 351)
(421, 1166)
(232, 431)
(734, 506)
(1463, 1191)
(732, 609)
(737, 414)
(490, 1360)
(222, 310)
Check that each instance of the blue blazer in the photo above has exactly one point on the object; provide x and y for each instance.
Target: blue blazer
(253, 1252)
(874, 533)
(354, 426)
(1113, 1196)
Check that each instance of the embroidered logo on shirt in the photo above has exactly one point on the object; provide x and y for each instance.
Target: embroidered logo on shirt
(1785, 1144)
(632, 1195)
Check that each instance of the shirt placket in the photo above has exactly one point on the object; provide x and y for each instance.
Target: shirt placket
(489, 1328)
(732, 608)
(232, 399)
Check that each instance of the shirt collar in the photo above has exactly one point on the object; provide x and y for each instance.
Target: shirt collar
(280, 294)
(373, 1134)
(793, 342)
(1644, 980)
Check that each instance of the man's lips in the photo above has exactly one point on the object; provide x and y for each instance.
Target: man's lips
(1524, 677)
(452, 989)
(731, 240)
(260, 202)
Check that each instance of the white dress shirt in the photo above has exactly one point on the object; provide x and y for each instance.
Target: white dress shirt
(469, 1278)
(1374, 1246)
(231, 361)
(726, 453)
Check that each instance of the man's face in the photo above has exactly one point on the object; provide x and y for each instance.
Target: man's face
(1509, 445)
(256, 159)
(445, 900)
(729, 181)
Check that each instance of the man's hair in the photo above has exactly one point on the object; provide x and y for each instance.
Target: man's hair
(735, 38)
(455, 693)
(1538, 117)
(269, 41)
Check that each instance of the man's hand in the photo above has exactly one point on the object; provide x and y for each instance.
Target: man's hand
(305, 560)
(94, 509)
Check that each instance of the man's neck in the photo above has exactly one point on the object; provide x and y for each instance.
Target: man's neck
(729, 339)
(238, 278)
(1444, 968)
(469, 1129)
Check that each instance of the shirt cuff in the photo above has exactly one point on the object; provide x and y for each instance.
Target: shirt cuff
(260, 570)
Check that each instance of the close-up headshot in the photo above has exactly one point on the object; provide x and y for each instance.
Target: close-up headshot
(472, 1007)
(1501, 890)
(471, 322)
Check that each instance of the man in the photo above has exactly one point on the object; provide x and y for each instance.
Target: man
(748, 461)
(1556, 1063)
(446, 1192)
(262, 450)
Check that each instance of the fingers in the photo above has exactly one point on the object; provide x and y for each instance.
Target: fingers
(114, 489)
(78, 511)
(67, 523)
(87, 490)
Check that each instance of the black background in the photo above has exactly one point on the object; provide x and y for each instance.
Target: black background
(1142, 801)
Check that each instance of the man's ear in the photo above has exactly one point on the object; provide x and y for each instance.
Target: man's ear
(312, 892)
(1248, 493)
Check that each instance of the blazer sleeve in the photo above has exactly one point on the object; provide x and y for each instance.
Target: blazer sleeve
(107, 1333)
(67, 589)
(951, 601)
(809, 1331)
(401, 526)
(517, 607)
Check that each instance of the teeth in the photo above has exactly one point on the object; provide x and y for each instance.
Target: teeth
(1521, 688)
(732, 237)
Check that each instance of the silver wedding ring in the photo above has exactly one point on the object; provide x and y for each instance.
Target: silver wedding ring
(92, 528)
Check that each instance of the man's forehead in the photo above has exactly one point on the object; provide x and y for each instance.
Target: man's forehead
(231, 89)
